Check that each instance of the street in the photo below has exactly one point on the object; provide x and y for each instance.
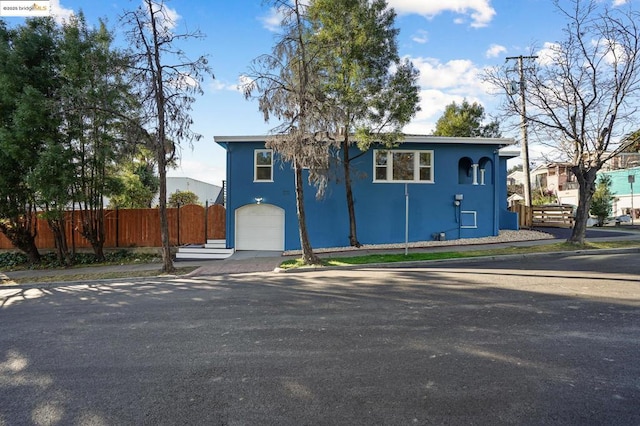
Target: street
(537, 340)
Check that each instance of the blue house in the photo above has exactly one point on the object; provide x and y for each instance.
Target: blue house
(434, 187)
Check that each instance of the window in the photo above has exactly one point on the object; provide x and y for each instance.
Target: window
(468, 219)
(263, 171)
(403, 166)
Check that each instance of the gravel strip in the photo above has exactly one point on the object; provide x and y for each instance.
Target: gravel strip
(504, 237)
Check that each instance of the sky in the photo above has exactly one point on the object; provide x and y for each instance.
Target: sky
(449, 41)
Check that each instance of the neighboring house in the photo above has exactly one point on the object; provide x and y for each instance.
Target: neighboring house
(559, 180)
(556, 179)
(207, 193)
(624, 160)
(553, 177)
(454, 188)
(625, 186)
(515, 178)
(514, 199)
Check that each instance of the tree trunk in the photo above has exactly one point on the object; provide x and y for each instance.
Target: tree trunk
(23, 239)
(98, 251)
(308, 256)
(586, 188)
(353, 234)
(93, 230)
(60, 238)
(167, 261)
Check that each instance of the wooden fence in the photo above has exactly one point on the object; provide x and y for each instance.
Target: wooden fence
(524, 215)
(544, 216)
(140, 228)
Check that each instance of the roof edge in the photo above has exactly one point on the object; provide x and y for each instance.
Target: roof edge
(407, 139)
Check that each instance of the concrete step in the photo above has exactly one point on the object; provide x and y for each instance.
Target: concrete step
(204, 252)
(216, 244)
(210, 255)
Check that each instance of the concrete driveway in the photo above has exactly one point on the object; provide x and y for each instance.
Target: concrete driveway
(538, 341)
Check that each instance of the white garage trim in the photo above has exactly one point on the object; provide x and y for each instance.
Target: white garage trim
(259, 227)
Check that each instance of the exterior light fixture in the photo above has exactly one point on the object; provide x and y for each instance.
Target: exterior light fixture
(258, 200)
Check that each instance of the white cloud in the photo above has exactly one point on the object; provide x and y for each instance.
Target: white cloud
(166, 17)
(59, 12)
(480, 11)
(184, 81)
(548, 54)
(420, 37)
(272, 21)
(495, 50)
(458, 73)
(220, 86)
(441, 84)
(617, 3)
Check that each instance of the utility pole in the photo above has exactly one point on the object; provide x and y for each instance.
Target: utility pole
(523, 126)
(632, 179)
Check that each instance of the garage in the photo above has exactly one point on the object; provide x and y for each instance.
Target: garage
(260, 227)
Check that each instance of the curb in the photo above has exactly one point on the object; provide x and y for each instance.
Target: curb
(475, 259)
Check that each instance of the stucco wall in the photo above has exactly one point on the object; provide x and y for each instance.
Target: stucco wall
(380, 207)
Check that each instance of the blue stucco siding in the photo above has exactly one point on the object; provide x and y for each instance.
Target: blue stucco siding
(507, 219)
(380, 207)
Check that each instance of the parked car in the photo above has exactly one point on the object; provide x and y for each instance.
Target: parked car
(592, 221)
(625, 218)
(617, 220)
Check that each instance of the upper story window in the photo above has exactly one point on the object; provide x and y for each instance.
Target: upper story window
(263, 165)
(403, 166)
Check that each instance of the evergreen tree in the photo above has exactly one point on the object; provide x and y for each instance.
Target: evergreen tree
(28, 124)
(182, 198)
(97, 108)
(370, 93)
(602, 201)
(465, 120)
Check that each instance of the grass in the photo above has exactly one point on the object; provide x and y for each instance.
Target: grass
(397, 257)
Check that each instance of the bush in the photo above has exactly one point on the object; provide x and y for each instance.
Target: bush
(18, 260)
(9, 260)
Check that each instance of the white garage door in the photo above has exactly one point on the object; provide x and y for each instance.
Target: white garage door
(260, 227)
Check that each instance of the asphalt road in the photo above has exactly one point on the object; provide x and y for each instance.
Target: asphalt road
(533, 341)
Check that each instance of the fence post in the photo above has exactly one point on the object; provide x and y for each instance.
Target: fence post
(117, 227)
(206, 220)
(178, 219)
(73, 229)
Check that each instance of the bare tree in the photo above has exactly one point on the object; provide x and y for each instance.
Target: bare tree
(582, 91)
(167, 82)
(285, 85)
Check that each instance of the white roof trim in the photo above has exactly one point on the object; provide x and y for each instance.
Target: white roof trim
(407, 139)
(509, 151)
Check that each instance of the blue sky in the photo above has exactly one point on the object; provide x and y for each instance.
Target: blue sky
(449, 41)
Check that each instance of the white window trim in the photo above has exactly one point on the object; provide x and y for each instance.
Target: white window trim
(255, 165)
(416, 166)
(472, 214)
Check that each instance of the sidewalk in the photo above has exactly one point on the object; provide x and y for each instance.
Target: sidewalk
(267, 261)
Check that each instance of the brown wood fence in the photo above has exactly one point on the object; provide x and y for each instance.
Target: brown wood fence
(140, 228)
(541, 216)
(524, 215)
